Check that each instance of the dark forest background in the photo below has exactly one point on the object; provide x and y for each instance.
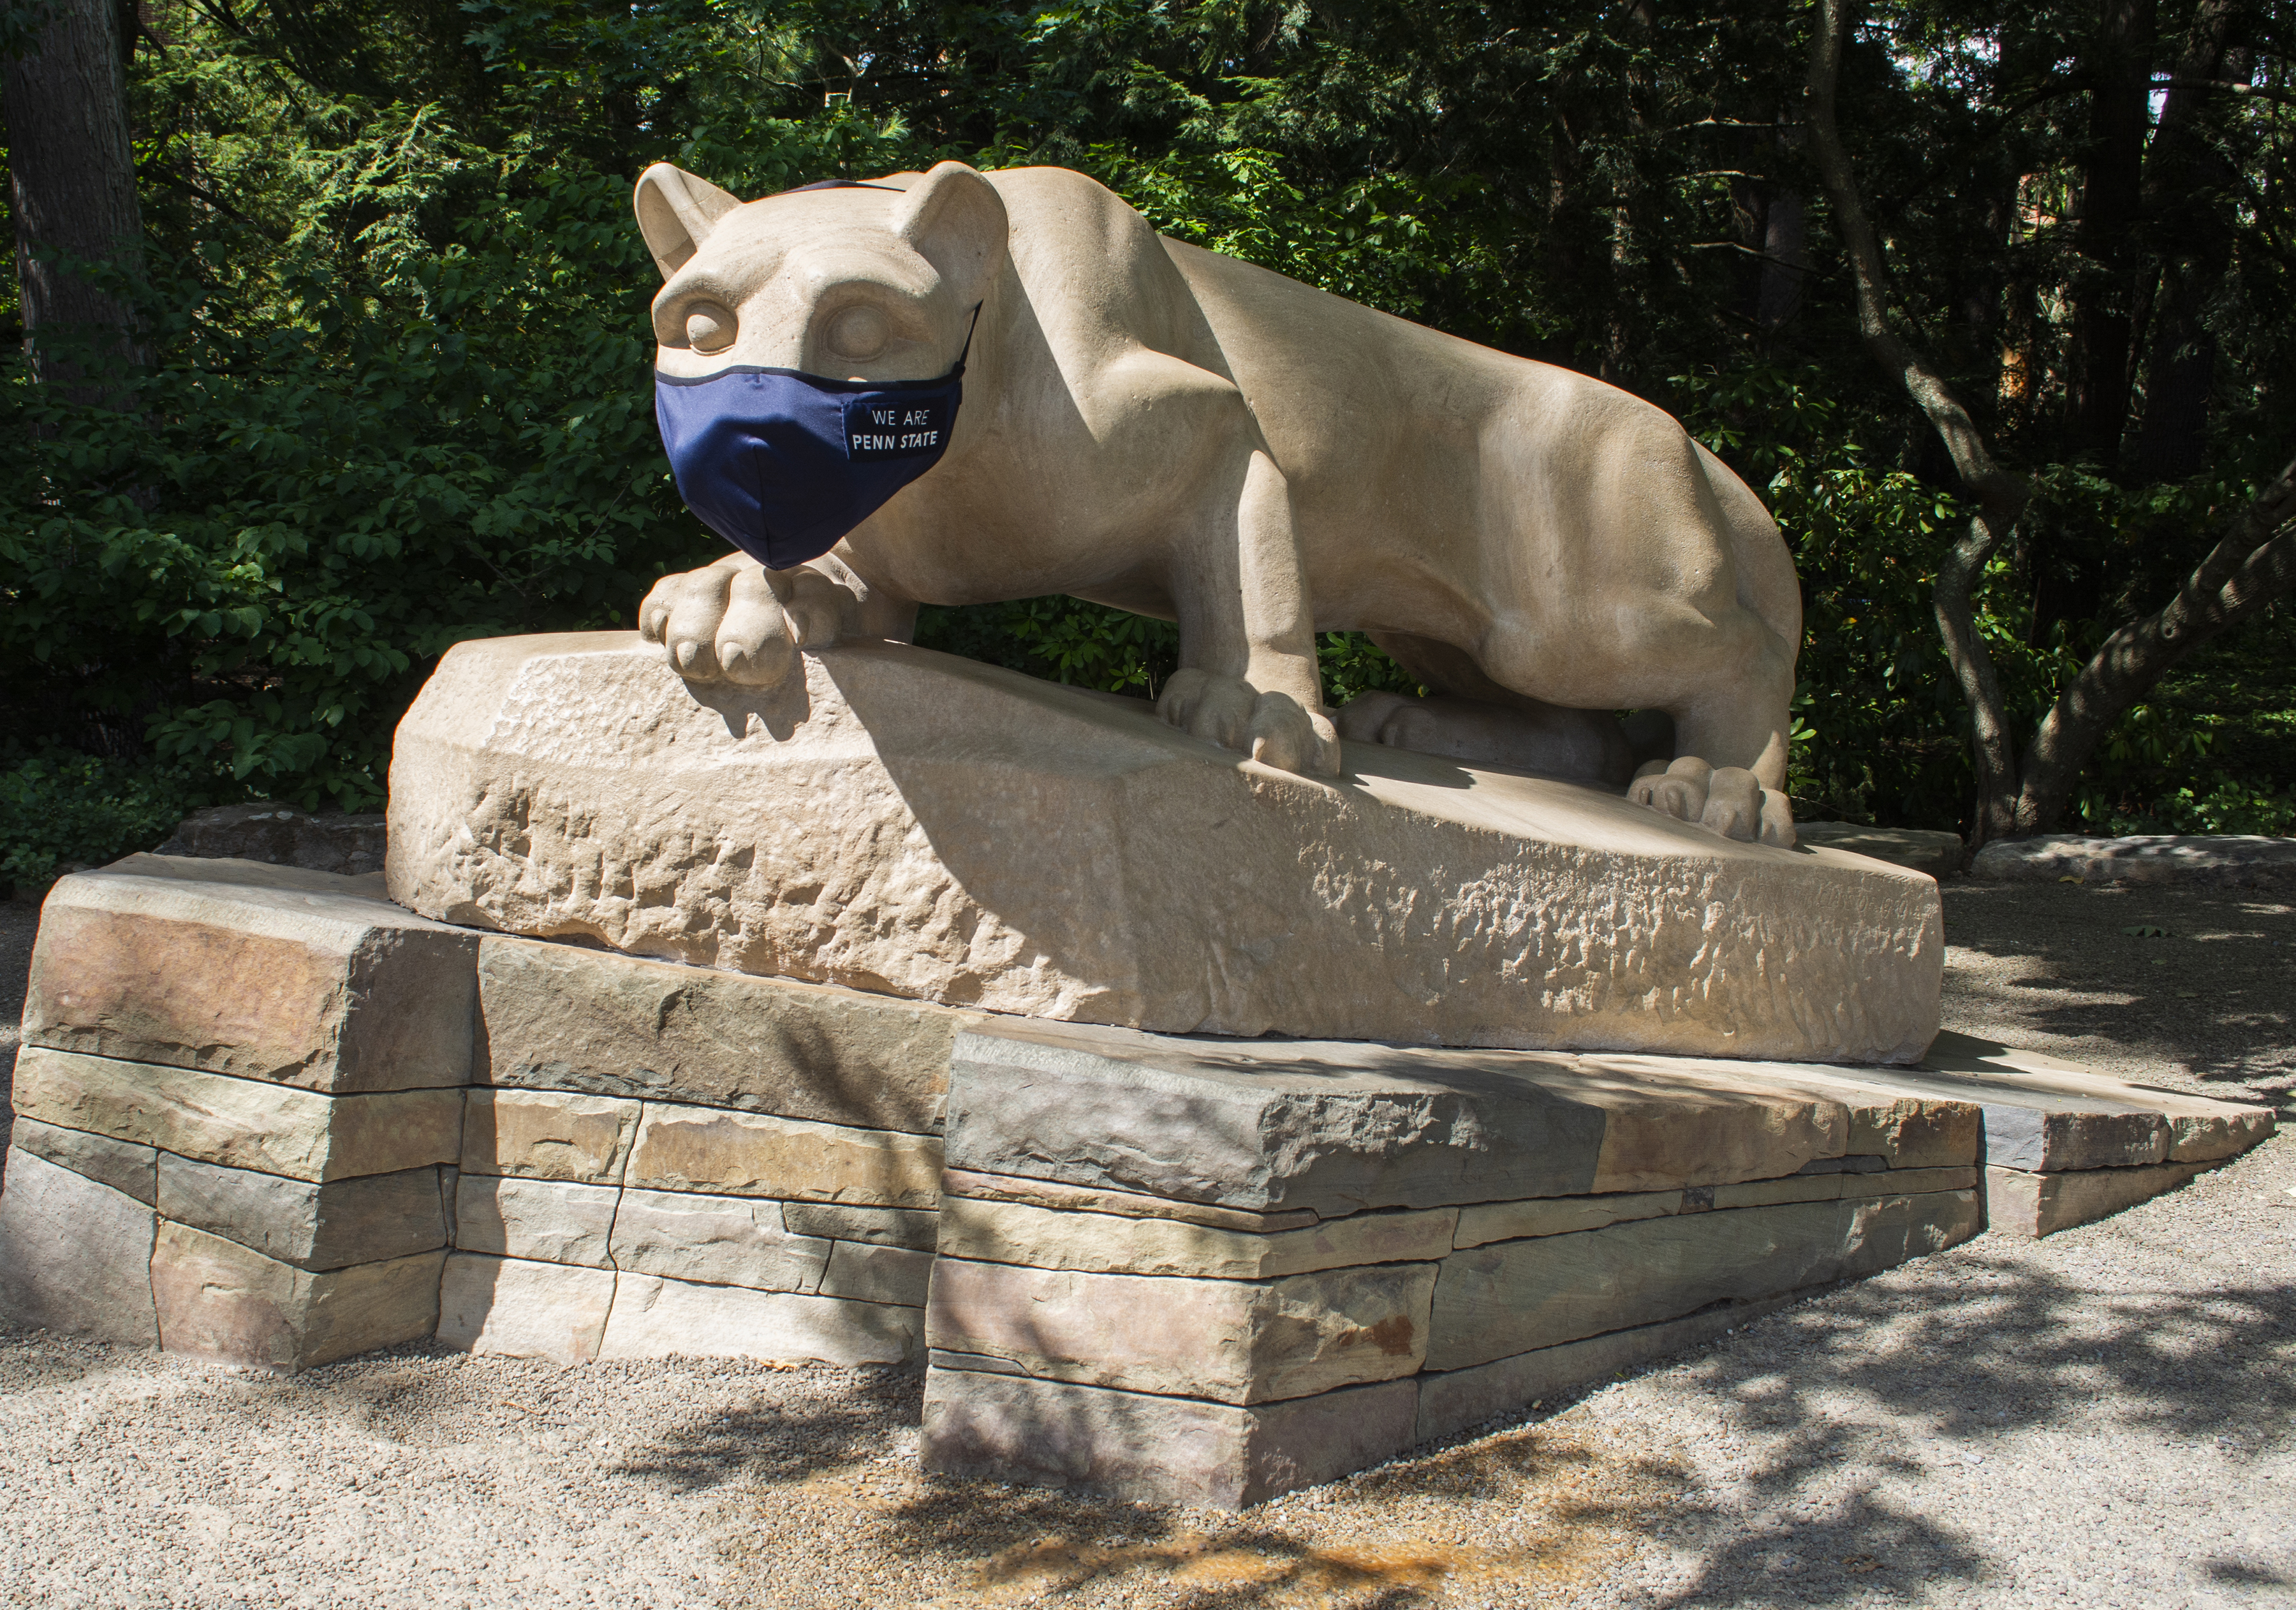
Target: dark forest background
(364, 370)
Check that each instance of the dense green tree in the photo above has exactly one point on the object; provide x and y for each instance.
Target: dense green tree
(398, 393)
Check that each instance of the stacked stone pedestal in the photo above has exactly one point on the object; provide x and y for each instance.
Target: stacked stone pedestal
(237, 1099)
(268, 1118)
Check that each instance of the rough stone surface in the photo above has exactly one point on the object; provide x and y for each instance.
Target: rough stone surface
(879, 1274)
(272, 973)
(265, 830)
(1923, 850)
(1521, 1295)
(658, 1319)
(1845, 1186)
(2197, 860)
(2034, 1205)
(916, 1228)
(1896, 1122)
(1560, 1216)
(1131, 1205)
(367, 1220)
(544, 1221)
(541, 1134)
(720, 1240)
(1336, 1128)
(219, 1300)
(883, 822)
(556, 1017)
(2201, 1128)
(1232, 1341)
(121, 1164)
(75, 1255)
(1451, 1400)
(1158, 1449)
(523, 1310)
(750, 1155)
(1010, 1232)
(241, 1123)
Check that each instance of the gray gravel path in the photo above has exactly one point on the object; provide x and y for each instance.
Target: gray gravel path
(2101, 1418)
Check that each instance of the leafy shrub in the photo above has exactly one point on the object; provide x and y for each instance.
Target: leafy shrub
(61, 809)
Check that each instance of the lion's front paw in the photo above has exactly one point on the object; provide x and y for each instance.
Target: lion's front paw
(1730, 801)
(1274, 728)
(739, 622)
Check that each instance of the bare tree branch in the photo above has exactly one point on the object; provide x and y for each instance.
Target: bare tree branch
(2254, 564)
(2001, 496)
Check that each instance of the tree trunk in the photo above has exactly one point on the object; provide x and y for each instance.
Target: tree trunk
(72, 177)
(2187, 213)
(2120, 72)
(2001, 496)
(2254, 565)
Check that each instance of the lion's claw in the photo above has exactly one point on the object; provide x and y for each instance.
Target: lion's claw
(1729, 801)
(1274, 728)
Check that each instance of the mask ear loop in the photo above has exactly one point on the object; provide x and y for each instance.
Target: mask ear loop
(966, 351)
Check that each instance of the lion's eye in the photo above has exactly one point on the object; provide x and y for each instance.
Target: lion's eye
(859, 334)
(708, 328)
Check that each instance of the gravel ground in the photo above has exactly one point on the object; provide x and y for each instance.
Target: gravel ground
(2102, 1418)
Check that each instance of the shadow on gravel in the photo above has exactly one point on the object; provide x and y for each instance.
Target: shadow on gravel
(808, 1433)
(1968, 1363)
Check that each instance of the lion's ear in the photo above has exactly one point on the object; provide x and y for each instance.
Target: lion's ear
(677, 211)
(955, 219)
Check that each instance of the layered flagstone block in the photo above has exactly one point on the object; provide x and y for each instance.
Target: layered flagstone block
(1190, 1271)
(1183, 1267)
(265, 973)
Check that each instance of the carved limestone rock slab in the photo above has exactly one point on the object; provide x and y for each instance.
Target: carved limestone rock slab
(718, 1240)
(75, 1255)
(274, 972)
(657, 1318)
(221, 1301)
(520, 1309)
(239, 1123)
(1515, 1296)
(2021, 1204)
(1335, 1128)
(368, 1219)
(1013, 1232)
(556, 1017)
(542, 1220)
(913, 824)
(1159, 1450)
(1233, 1341)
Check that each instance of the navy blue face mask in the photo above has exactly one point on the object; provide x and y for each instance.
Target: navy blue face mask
(782, 463)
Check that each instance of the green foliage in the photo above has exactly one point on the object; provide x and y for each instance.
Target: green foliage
(59, 810)
(400, 393)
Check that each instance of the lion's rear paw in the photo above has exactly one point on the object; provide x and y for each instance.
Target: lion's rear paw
(1730, 802)
(1272, 728)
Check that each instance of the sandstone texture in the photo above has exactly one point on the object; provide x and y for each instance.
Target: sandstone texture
(1451, 1400)
(750, 1155)
(718, 1240)
(221, 1301)
(368, 1219)
(1923, 850)
(546, 1135)
(1231, 1341)
(1335, 1128)
(555, 1017)
(265, 830)
(657, 1318)
(1517, 1296)
(2200, 860)
(545, 1220)
(1011, 1232)
(523, 1310)
(267, 973)
(124, 1166)
(917, 1229)
(1159, 1450)
(75, 1255)
(915, 824)
(2033, 1205)
(239, 1123)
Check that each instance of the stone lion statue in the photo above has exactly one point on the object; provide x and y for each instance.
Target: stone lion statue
(960, 388)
